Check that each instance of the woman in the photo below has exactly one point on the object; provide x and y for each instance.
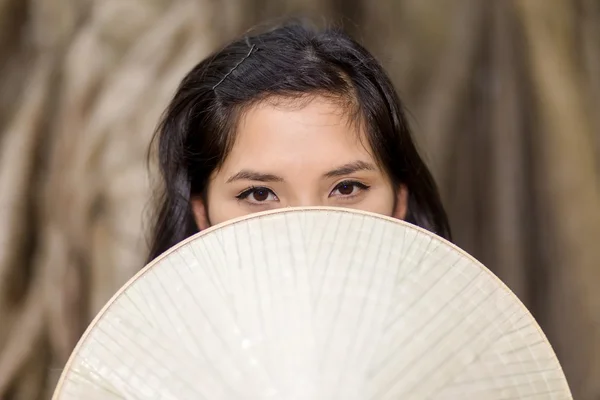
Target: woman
(293, 116)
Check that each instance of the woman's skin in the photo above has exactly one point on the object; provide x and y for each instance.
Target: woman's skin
(287, 155)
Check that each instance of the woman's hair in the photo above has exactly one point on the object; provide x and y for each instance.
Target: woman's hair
(291, 61)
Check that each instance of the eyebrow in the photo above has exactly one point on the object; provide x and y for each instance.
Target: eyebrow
(350, 168)
(250, 175)
(342, 170)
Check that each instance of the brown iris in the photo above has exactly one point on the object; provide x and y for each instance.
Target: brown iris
(346, 189)
(260, 194)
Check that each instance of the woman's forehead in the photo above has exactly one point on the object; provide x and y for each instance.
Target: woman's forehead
(318, 135)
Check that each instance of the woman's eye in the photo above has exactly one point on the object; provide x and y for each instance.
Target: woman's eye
(257, 195)
(349, 188)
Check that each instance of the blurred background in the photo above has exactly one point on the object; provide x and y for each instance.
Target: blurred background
(503, 97)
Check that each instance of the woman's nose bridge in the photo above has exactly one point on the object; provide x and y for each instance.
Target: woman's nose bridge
(306, 200)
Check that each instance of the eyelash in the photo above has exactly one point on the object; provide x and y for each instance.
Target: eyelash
(361, 186)
(244, 195)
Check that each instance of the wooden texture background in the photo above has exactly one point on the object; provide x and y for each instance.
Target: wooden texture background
(504, 99)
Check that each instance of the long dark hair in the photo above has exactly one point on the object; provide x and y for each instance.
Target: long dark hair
(291, 60)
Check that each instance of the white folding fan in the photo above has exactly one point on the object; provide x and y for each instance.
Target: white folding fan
(313, 304)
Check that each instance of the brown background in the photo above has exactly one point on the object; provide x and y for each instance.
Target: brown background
(504, 98)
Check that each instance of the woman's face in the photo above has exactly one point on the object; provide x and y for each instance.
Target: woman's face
(298, 156)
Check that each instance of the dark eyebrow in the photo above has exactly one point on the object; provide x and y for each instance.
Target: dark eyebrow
(249, 175)
(350, 168)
